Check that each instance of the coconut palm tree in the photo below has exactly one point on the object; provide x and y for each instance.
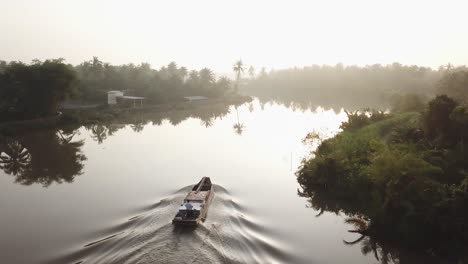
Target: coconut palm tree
(222, 85)
(66, 138)
(14, 158)
(138, 124)
(207, 79)
(206, 76)
(238, 127)
(99, 133)
(193, 76)
(251, 72)
(207, 122)
(172, 69)
(239, 69)
(183, 72)
(53, 159)
(368, 242)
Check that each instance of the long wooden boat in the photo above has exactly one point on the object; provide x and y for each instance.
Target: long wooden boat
(194, 208)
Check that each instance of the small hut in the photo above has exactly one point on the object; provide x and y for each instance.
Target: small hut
(118, 97)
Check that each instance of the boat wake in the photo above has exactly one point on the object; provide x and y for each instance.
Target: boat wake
(228, 235)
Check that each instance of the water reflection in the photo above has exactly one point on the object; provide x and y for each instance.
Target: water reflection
(374, 236)
(331, 101)
(99, 132)
(119, 221)
(14, 158)
(238, 127)
(53, 156)
(207, 114)
(44, 157)
(138, 123)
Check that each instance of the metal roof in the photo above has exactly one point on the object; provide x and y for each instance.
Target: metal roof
(132, 97)
(195, 97)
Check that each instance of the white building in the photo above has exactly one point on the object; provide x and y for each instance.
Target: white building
(113, 97)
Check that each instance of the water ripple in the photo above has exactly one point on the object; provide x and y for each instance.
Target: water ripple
(229, 235)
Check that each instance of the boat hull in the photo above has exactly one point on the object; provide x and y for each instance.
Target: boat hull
(197, 201)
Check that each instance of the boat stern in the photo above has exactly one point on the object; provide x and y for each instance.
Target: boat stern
(184, 222)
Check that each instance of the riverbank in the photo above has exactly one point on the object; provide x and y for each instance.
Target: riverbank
(400, 178)
(73, 117)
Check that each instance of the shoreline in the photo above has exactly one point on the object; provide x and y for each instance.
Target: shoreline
(101, 114)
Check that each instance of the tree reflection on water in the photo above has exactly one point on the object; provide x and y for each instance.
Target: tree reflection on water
(42, 157)
(375, 235)
(207, 114)
(48, 156)
(14, 158)
(238, 127)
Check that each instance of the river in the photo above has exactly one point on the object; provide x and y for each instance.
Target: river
(108, 193)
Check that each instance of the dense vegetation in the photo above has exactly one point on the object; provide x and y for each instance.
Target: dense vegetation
(169, 83)
(34, 90)
(402, 178)
(38, 89)
(354, 87)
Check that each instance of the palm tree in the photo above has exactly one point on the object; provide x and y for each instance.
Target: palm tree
(251, 72)
(112, 128)
(99, 133)
(14, 158)
(368, 243)
(193, 76)
(206, 76)
(207, 122)
(183, 72)
(263, 73)
(172, 69)
(66, 138)
(238, 69)
(138, 124)
(206, 80)
(193, 80)
(223, 84)
(238, 127)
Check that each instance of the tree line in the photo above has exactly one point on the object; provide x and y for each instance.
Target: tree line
(37, 89)
(354, 86)
(169, 83)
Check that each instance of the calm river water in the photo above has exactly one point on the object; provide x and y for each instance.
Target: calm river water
(107, 193)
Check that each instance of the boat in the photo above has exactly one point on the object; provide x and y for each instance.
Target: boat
(194, 208)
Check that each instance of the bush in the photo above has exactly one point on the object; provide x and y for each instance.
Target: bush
(358, 119)
(408, 103)
(395, 171)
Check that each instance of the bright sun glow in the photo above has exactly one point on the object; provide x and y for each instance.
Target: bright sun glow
(272, 34)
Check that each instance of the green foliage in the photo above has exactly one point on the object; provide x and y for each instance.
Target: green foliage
(169, 83)
(438, 125)
(38, 89)
(455, 84)
(407, 103)
(400, 171)
(35, 90)
(358, 119)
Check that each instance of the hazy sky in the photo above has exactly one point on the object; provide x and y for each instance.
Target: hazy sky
(278, 34)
